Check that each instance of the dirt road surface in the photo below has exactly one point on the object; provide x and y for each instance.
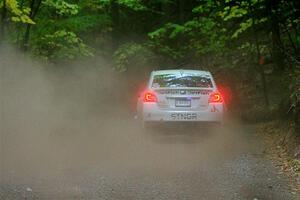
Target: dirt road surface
(113, 158)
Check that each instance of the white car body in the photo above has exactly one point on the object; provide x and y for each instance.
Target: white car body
(180, 103)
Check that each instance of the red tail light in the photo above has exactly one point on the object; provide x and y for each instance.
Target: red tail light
(150, 97)
(215, 97)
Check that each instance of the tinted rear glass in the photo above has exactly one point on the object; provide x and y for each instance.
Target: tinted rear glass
(182, 80)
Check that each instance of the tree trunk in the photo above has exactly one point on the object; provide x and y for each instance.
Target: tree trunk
(277, 47)
(3, 21)
(185, 8)
(166, 9)
(181, 5)
(32, 15)
(261, 69)
(115, 16)
(25, 45)
(19, 26)
(291, 40)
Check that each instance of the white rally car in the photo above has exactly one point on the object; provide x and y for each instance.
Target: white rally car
(180, 96)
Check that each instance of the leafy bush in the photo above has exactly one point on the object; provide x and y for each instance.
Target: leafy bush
(165, 41)
(19, 13)
(62, 8)
(129, 54)
(62, 45)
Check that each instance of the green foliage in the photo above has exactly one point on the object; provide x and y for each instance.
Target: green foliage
(164, 40)
(297, 40)
(205, 7)
(18, 14)
(136, 5)
(233, 12)
(206, 36)
(76, 24)
(202, 36)
(61, 23)
(169, 30)
(130, 54)
(61, 7)
(62, 45)
(86, 22)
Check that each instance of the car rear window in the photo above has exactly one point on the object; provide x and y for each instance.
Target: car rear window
(182, 80)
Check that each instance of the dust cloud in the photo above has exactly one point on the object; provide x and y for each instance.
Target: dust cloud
(61, 124)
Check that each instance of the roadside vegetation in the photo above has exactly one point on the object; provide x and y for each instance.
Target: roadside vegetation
(251, 46)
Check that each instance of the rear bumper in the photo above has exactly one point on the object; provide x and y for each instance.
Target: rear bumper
(213, 113)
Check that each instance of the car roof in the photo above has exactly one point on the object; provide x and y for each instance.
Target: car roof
(182, 71)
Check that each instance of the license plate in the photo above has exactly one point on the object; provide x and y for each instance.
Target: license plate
(184, 116)
(182, 103)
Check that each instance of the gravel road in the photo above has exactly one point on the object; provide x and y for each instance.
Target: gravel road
(113, 158)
